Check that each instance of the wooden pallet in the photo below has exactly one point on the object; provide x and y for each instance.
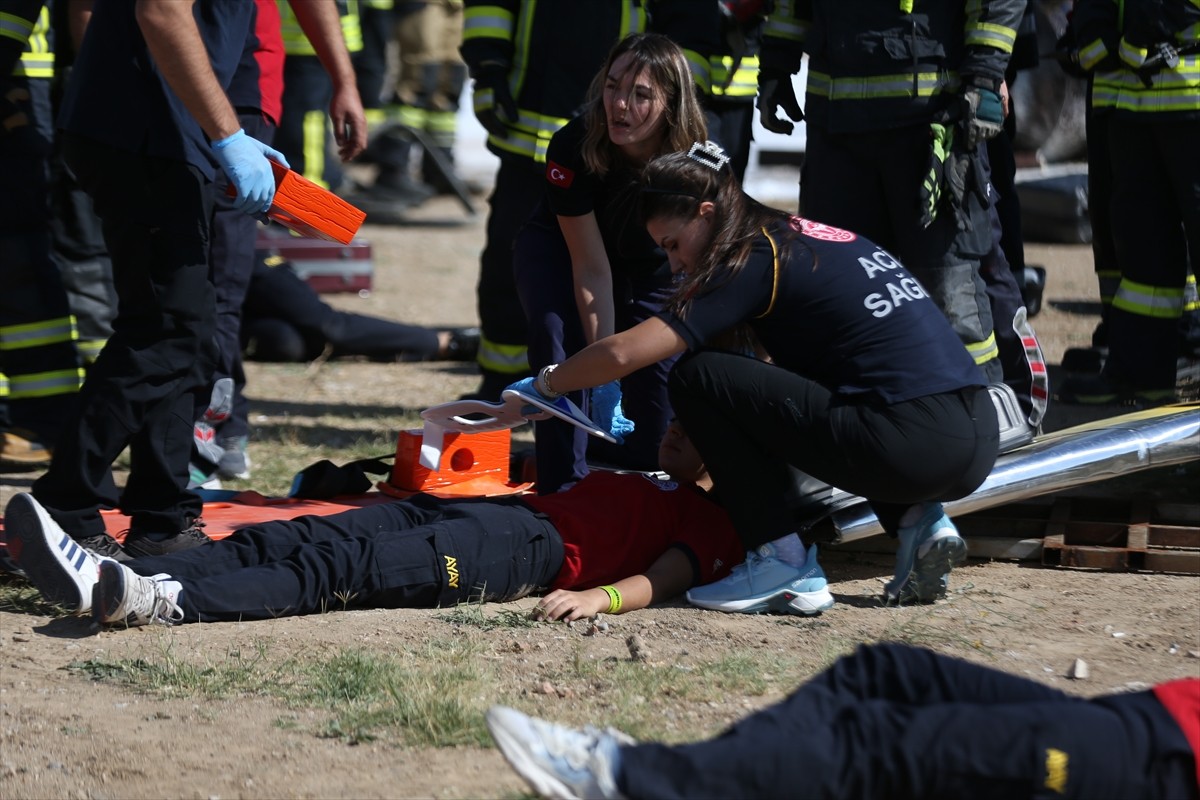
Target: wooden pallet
(1138, 534)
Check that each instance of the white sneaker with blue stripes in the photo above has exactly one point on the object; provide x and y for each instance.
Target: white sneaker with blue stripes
(63, 570)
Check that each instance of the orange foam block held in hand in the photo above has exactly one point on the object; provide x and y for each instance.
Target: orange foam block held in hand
(306, 208)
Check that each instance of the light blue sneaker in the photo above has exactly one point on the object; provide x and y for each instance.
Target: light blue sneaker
(764, 583)
(555, 760)
(929, 549)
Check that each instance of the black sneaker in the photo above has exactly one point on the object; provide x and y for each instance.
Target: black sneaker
(464, 344)
(139, 544)
(106, 546)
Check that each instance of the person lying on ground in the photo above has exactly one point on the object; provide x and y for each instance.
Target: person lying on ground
(612, 543)
(896, 721)
(284, 319)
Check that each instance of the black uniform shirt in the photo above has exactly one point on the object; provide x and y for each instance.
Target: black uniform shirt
(117, 96)
(838, 310)
(574, 191)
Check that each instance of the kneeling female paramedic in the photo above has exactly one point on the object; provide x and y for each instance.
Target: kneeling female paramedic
(866, 388)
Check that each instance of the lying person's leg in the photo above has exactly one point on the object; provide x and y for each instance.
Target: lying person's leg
(269, 542)
(853, 731)
(462, 551)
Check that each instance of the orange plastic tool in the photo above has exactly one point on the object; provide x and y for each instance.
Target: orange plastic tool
(306, 208)
(471, 465)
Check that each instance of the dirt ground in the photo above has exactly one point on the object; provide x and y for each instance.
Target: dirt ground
(63, 734)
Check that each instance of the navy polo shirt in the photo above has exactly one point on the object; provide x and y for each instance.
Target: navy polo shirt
(837, 309)
(117, 96)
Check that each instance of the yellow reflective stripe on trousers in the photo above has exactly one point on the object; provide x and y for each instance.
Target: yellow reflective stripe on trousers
(44, 384)
(38, 334)
(313, 145)
(1158, 302)
(984, 351)
(509, 358)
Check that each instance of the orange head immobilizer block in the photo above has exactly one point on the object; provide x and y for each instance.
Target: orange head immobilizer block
(471, 465)
(306, 208)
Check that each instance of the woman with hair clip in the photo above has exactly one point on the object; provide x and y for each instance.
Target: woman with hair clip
(585, 266)
(868, 387)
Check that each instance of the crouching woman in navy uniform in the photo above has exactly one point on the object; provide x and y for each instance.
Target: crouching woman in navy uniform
(867, 387)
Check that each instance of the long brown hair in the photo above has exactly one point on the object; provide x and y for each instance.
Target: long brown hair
(674, 185)
(665, 63)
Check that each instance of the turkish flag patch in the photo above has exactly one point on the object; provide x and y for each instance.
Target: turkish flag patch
(559, 175)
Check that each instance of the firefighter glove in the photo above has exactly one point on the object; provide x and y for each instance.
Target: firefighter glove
(775, 91)
(604, 409)
(982, 115)
(494, 105)
(244, 160)
(932, 185)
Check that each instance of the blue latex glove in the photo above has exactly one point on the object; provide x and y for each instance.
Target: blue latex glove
(529, 386)
(244, 160)
(604, 409)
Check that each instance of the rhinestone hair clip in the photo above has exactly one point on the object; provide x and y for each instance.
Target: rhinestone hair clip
(709, 154)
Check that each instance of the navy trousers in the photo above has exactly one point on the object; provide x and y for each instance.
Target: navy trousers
(546, 288)
(231, 260)
(752, 422)
(420, 553)
(142, 391)
(901, 722)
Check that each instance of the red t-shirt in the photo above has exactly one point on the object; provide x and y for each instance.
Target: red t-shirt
(1181, 698)
(614, 525)
(258, 81)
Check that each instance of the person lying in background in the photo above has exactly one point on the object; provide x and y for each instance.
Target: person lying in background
(284, 319)
(896, 721)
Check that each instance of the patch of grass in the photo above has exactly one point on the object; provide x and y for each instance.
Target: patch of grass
(954, 622)
(19, 597)
(475, 615)
(640, 697)
(233, 675)
(432, 696)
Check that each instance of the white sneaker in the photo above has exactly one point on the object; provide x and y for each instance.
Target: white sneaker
(62, 569)
(123, 596)
(764, 583)
(557, 761)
